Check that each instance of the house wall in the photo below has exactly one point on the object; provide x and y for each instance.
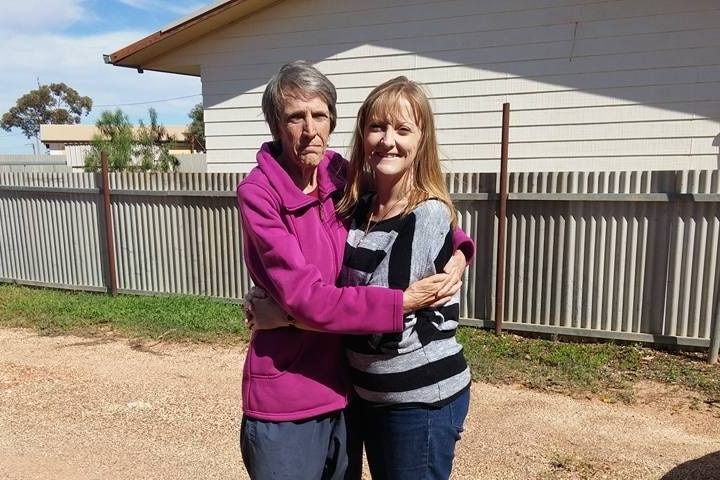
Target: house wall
(593, 85)
(76, 154)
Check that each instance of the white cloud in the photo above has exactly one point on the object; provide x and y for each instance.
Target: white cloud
(78, 62)
(41, 15)
(178, 7)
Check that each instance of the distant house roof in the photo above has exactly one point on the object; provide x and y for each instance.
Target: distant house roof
(84, 133)
(142, 53)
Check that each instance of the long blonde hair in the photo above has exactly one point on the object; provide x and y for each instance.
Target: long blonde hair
(426, 178)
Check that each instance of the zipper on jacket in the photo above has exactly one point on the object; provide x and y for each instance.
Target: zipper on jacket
(321, 206)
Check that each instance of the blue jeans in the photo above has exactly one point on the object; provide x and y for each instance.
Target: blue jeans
(309, 449)
(413, 443)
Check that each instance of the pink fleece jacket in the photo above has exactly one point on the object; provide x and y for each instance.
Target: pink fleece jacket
(293, 248)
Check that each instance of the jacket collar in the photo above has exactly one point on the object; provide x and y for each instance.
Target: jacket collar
(331, 176)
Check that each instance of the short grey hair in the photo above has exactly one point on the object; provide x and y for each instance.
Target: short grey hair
(298, 78)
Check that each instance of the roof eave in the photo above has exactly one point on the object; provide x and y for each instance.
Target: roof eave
(189, 70)
(140, 55)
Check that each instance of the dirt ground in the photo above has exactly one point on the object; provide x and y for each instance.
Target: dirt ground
(79, 408)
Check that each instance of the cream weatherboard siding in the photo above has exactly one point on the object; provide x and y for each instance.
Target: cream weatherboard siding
(593, 85)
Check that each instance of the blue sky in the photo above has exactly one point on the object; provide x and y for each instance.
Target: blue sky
(64, 40)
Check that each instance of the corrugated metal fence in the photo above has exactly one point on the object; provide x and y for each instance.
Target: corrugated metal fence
(630, 255)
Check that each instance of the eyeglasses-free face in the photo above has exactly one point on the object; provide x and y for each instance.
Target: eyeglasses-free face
(391, 144)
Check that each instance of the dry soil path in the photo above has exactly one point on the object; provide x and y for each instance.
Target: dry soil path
(79, 408)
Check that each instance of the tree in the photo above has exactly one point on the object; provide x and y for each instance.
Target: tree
(115, 137)
(195, 134)
(144, 149)
(153, 144)
(56, 103)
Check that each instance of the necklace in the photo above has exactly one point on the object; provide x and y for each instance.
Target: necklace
(383, 217)
(368, 228)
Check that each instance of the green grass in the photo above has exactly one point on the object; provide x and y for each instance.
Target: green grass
(605, 370)
(602, 370)
(168, 317)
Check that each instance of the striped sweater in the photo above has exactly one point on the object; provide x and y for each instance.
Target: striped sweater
(424, 364)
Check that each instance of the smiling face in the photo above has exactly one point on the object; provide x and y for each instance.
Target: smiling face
(304, 130)
(391, 141)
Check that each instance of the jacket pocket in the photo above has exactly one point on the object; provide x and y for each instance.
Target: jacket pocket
(273, 353)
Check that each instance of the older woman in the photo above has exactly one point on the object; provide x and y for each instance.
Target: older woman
(295, 384)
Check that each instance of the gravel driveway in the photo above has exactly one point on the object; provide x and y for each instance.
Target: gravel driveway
(94, 408)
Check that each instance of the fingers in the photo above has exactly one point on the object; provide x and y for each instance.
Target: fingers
(447, 282)
(449, 289)
(247, 300)
(438, 285)
(433, 281)
(449, 285)
(253, 298)
(249, 315)
(258, 292)
(441, 302)
(455, 288)
(447, 295)
(428, 290)
(253, 295)
(455, 268)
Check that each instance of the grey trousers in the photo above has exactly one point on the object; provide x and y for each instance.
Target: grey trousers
(314, 449)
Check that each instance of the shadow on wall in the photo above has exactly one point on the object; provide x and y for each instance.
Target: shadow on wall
(616, 50)
(573, 64)
(703, 468)
(716, 143)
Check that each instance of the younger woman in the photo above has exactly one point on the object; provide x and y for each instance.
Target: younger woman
(413, 386)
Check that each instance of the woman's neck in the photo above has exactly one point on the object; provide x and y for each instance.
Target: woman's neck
(304, 178)
(390, 195)
(390, 189)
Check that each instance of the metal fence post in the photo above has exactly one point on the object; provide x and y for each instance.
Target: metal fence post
(715, 333)
(109, 242)
(502, 214)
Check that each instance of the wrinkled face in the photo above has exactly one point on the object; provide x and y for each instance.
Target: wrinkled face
(391, 144)
(304, 130)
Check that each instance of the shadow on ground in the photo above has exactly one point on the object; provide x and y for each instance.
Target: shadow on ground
(703, 468)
